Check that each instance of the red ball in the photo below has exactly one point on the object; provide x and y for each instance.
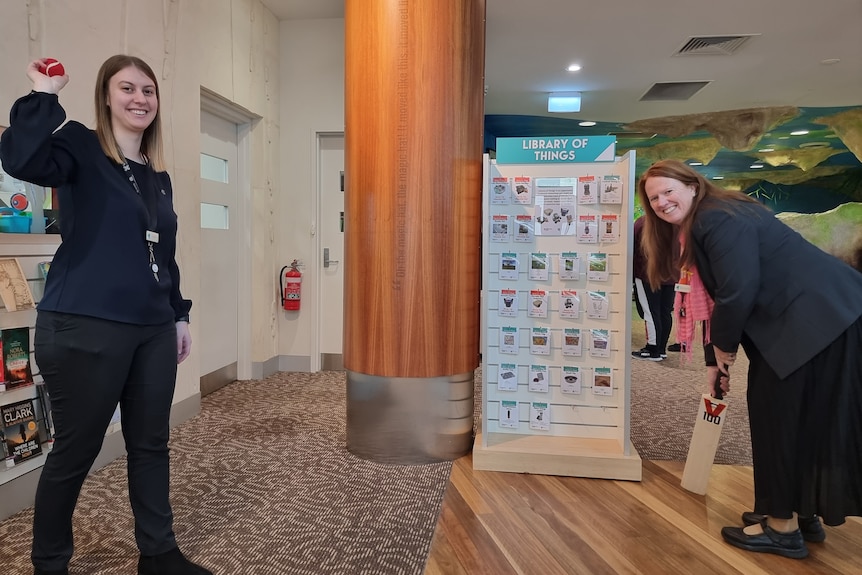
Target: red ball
(52, 67)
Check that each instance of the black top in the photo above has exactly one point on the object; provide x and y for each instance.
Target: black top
(771, 287)
(102, 267)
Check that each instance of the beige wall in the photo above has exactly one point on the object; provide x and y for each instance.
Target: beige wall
(312, 100)
(230, 47)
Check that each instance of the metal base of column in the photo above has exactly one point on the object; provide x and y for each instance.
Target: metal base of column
(406, 420)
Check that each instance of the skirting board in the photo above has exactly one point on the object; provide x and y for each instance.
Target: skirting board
(567, 456)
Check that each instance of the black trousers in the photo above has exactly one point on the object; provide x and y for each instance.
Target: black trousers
(806, 432)
(89, 365)
(656, 309)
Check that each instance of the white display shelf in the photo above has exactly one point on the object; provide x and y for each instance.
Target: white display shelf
(588, 433)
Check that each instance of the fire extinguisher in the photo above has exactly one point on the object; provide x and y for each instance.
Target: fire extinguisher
(290, 283)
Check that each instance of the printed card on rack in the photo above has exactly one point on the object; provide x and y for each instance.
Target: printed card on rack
(588, 190)
(524, 228)
(507, 379)
(500, 190)
(612, 190)
(588, 232)
(549, 222)
(509, 342)
(508, 266)
(499, 228)
(570, 266)
(569, 227)
(570, 304)
(538, 303)
(540, 415)
(540, 341)
(609, 229)
(572, 342)
(597, 305)
(509, 414)
(600, 343)
(508, 304)
(523, 190)
(603, 381)
(571, 382)
(539, 267)
(597, 269)
(539, 380)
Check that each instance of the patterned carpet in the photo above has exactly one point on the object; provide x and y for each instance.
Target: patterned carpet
(262, 485)
(665, 400)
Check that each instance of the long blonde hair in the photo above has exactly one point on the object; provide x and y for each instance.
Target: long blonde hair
(151, 143)
(660, 239)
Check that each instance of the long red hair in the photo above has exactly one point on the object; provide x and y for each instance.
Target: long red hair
(660, 239)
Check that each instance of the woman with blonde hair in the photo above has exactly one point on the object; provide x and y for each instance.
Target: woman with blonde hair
(112, 324)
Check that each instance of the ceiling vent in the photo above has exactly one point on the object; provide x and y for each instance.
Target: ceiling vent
(672, 91)
(713, 45)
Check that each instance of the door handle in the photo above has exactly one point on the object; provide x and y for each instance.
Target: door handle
(326, 260)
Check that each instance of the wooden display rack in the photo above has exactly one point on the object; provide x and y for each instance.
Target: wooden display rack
(589, 434)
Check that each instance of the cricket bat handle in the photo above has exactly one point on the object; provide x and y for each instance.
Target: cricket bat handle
(716, 384)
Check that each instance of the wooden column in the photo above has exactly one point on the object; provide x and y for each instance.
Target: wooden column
(413, 167)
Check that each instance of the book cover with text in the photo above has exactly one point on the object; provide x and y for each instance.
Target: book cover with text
(16, 371)
(21, 430)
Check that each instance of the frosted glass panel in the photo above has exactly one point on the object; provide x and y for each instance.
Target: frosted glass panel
(214, 217)
(214, 169)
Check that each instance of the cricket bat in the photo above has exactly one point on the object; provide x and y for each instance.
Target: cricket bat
(704, 439)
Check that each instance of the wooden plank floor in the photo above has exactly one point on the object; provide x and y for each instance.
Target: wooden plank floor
(508, 523)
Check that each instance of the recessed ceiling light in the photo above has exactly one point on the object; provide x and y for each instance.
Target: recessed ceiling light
(799, 133)
(783, 137)
(586, 124)
(695, 163)
(830, 61)
(756, 166)
(764, 150)
(573, 68)
(718, 177)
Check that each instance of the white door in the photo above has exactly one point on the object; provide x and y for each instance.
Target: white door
(217, 310)
(331, 258)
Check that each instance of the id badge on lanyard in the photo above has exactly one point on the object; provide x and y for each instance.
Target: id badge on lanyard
(684, 283)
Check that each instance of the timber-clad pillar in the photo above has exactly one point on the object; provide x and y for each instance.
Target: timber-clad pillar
(414, 91)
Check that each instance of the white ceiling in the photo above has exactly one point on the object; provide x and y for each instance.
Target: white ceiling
(625, 46)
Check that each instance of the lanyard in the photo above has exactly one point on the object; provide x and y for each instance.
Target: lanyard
(152, 217)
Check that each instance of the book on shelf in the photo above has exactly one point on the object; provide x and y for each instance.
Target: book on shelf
(14, 289)
(21, 431)
(45, 411)
(15, 370)
(43, 269)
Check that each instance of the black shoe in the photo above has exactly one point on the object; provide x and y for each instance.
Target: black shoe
(171, 563)
(645, 353)
(811, 528)
(770, 541)
(63, 571)
(674, 347)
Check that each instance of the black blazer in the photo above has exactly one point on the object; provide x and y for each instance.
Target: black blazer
(786, 295)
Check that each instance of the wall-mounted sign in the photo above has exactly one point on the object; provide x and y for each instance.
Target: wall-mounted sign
(556, 149)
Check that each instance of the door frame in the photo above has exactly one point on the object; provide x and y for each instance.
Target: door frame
(316, 266)
(219, 106)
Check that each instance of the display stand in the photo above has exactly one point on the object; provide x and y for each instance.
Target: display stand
(556, 313)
